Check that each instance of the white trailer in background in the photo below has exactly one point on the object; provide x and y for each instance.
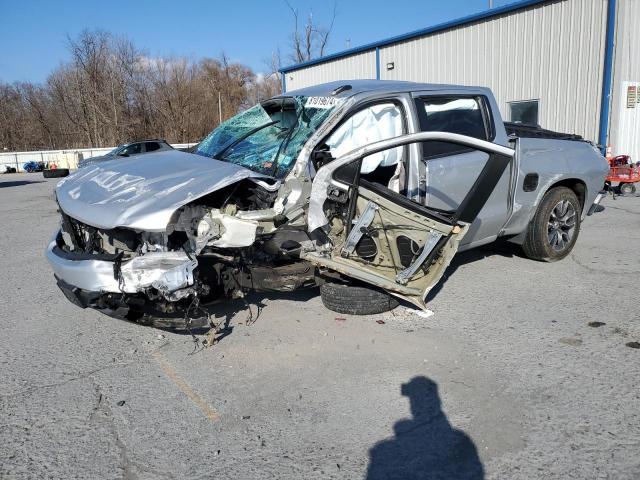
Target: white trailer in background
(62, 158)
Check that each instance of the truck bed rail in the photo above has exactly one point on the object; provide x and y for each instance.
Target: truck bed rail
(524, 130)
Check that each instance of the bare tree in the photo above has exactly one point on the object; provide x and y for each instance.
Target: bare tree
(110, 92)
(310, 41)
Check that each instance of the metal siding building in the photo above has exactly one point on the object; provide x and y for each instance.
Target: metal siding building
(359, 66)
(572, 56)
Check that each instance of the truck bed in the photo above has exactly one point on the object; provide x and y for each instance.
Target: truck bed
(523, 130)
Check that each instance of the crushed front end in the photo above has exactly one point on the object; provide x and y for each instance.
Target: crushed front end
(155, 238)
(214, 249)
(124, 273)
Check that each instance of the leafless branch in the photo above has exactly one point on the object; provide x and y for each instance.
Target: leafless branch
(111, 92)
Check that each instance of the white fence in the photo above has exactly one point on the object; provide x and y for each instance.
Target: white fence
(62, 158)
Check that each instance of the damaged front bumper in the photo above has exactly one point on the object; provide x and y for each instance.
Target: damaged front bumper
(167, 272)
(121, 289)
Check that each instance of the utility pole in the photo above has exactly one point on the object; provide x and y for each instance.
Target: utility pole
(219, 108)
(490, 4)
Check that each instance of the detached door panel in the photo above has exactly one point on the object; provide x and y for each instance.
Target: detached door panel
(381, 237)
(386, 240)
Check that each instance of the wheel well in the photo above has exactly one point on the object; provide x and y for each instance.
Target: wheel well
(577, 186)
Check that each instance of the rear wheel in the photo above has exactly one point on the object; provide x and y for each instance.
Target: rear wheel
(554, 228)
(355, 299)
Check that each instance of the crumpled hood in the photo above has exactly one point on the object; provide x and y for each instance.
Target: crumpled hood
(144, 192)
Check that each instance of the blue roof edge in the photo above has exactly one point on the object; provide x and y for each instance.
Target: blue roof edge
(419, 33)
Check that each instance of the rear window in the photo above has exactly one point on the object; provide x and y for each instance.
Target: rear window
(465, 116)
(524, 112)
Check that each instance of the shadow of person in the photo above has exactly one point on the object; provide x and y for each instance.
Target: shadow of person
(425, 446)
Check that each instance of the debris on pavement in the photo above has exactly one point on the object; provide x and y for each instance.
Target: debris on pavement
(341, 319)
(420, 313)
(121, 403)
(633, 344)
(596, 324)
(380, 322)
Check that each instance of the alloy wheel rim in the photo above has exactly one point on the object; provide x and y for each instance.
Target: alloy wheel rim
(561, 225)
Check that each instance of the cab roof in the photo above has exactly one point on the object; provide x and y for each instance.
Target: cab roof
(374, 87)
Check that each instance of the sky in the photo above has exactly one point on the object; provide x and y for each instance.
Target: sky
(33, 33)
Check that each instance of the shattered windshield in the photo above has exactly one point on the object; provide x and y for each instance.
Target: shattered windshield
(267, 138)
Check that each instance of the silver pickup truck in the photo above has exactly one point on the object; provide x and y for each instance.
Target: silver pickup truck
(366, 188)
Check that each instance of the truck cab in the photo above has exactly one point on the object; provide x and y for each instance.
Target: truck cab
(434, 174)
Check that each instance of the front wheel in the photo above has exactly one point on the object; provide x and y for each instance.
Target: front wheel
(554, 228)
(356, 299)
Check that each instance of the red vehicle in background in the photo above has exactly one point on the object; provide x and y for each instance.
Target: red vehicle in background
(625, 172)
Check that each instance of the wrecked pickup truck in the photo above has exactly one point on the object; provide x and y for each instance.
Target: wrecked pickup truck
(366, 188)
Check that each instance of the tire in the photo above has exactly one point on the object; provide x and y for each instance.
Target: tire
(627, 189)
(55, 173)
(355, 299)
(550, 236)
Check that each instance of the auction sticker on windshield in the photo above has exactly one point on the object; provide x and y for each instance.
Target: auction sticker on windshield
(322, 102)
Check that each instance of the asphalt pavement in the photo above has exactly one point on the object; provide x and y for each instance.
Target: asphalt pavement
(525, 370)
